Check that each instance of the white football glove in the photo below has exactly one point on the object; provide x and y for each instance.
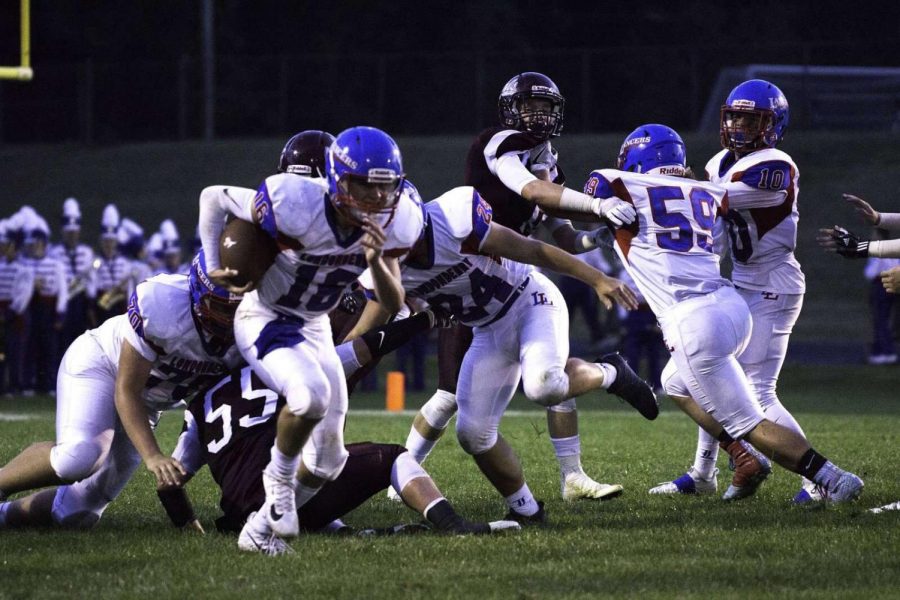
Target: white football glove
(617, 211)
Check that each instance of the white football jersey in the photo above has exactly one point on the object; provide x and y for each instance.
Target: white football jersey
(761, 221)
(474, 287)
(160, 326)
(317, 261)
(668, 250)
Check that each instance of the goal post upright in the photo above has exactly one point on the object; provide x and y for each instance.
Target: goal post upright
(23, 71)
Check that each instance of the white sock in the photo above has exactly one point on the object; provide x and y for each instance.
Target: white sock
(419, 448)
(4, 508)
(568, 454)
(609, 374)
(305, 493)
(523, 502)
(707, 453)
(281, 465)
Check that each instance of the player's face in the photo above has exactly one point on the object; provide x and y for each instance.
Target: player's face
(217, 316)
(742, 128)
(362, 198)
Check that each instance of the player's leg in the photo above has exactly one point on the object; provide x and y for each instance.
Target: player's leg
(85, 419)
(34, 510)
(284, 353)
(488, 379)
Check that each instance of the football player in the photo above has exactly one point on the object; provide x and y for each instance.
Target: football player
(232, 430)
(514, 168)
(329, 232)
(761, 224)
(520, 323)
(705, 321)
(176, 338)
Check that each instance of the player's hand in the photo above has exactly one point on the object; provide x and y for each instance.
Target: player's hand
(616, 211)
(373, 239)
(890, 279)
(224, 277)
(863, 209)
(837, 239)
(168, 471)
(610, 289)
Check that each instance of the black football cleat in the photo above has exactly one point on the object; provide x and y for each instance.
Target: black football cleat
(539, 518)
(631, 388)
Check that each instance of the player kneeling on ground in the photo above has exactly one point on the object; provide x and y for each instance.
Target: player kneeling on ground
(232, 429)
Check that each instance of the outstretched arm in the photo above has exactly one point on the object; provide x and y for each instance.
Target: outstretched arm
(504, 242)
(872, 216)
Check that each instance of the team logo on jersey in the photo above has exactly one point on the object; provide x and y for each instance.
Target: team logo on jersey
(261, 207)
(540, 299)
(591, 186)
(770, 296)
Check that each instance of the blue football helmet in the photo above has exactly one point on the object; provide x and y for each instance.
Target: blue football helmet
(755, 115)
(654, 149)
(365, 174)
(304, 154)
(212, 305)
(517, 110)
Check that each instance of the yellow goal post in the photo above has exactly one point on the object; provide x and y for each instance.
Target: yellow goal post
(23, 71)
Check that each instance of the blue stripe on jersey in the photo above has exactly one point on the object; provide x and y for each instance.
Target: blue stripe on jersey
(597, 186)
(768, 175)
(481, 216)
(282, 332)
(134, 315)
(262, 208)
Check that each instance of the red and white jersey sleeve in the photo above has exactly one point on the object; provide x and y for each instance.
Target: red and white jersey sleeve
(455, 275)
(762, 219)
(668, 250)
(159, 325)
(318, 260)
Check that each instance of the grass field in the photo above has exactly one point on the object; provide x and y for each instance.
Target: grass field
(635, 545)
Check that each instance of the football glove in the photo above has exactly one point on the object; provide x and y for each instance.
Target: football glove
(616, 211)
(848, 244)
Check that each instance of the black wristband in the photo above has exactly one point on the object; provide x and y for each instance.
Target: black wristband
(177, 505)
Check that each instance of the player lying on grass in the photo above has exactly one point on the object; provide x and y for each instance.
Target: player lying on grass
(668, 252)
(838, 239)
(464, 263)
(232, 429)
(113, 383)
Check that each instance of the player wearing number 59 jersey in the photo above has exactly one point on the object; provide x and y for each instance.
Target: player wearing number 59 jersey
(329, 231)
(705, 322)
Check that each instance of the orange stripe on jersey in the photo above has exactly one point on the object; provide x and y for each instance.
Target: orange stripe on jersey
(723, 207)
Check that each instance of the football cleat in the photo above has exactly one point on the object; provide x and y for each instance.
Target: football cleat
(751, 468)
(689, 483)
(263, 542)
(578, 485)
(400, 529)
(498, 526)
(885, 508)
(538, 518)
(847, 489)
(809, 494)
(631, 388)
(281, 505)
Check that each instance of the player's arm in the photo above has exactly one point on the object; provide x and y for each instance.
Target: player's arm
(189, 452)
(553, 197)
(504, 242)
(216, 203)
(872, 216)
(573, 241)
(134, 369)
(373, 315)
(762, 185)
(385, 270)
(849, 245)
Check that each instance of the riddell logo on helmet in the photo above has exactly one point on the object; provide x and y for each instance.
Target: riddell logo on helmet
(676, 170)
(342, 154)
(541, 88)
(743, 104)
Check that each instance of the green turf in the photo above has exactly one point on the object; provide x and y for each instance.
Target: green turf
(636, 545)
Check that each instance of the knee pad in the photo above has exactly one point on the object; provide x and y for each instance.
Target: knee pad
(439, 409)
(308, 396)
(547, 387)
(474, 439)
(74, 461)
(405, 469)
(566, 406)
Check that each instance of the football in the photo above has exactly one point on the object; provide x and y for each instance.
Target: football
(247, 249)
